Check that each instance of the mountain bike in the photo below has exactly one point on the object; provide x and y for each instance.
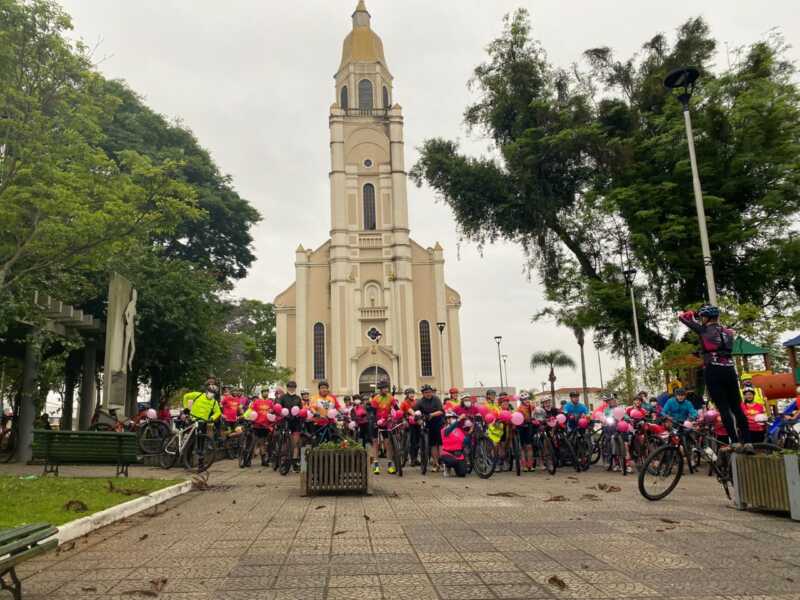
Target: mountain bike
(543, 450)
(281, 448)
(424, 443)
(181, 445)
(396, 434)
(481, 450)
(199, 451)
(247, 445)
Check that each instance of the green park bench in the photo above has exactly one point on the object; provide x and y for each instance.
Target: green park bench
(85, 448)
(18, 545)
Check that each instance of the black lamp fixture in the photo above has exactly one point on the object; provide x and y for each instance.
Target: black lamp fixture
(682, 78)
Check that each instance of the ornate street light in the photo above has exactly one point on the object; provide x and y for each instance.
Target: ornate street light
(498, 339)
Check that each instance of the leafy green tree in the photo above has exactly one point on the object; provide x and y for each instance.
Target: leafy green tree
(591, 176)
(551, 359)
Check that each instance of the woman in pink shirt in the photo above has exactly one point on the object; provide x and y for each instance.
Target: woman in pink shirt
(453, 436)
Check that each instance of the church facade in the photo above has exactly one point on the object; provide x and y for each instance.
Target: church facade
(370, 304)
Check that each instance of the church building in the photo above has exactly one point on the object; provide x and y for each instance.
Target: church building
(370, 304)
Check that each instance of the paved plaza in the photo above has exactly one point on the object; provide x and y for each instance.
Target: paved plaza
(252, 536)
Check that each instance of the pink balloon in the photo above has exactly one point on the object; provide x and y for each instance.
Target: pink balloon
(381, 422)
(505, 416)
(352, 425)
(295, 411)
(468, 424)
(636, 414)
(302, 413)
(284, 412)
(151, 413)
(277, 407)
(583, 422)
(332, 413)
(618, 412)
(490, 418)
(711, 415)
(309, 416)
(598, 415)
(517, 418)
(761, 418)
(623, 427)
(271, 418)
(397, 415)
(411, 420)
(561, 419)
(688, 424)
(483, 410)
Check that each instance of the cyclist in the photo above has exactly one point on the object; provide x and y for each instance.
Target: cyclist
(363, 427)
(231, 410)
(751, 408)
(526, 431)
(305, 396)
(407, 407)
(678, 408)
(383, 403)
(491, 402)
(716, 346)
(574, 410)
(431, 407)
(262, 406)
(323, 402)
(291, 400)
(203, 408)
(453, 440)
(452, 396)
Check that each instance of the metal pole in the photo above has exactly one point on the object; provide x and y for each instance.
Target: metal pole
(499, 364)
(701, 213)
(600, 367)
(639, 356)
(505, 364)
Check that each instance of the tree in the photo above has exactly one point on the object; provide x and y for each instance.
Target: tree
(591, 176)
(551, 359)
(64, 204)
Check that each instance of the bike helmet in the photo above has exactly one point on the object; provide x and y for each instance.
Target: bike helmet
(426, 388)
(453, 390)
(524, 396)
(322, 384)
(383, 385)
(491, 393)
(450, 414)
(708, 310)
(409, 391)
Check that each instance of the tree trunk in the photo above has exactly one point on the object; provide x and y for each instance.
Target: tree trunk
(628, 378)
(71, 369)
(27, 406)
(552, 388)
(155, 388)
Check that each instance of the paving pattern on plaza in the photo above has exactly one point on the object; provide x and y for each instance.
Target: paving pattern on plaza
(253, 537)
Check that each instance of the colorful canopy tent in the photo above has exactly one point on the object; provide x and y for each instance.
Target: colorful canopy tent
(791, 347)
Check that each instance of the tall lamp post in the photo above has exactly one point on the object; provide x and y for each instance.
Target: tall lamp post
(440, 325)
(498, 339)
(505, 366)
(684, 78)
(630, 275)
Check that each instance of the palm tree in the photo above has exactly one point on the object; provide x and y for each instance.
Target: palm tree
(551, 359)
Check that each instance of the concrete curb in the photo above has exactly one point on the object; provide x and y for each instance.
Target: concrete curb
(80, 527)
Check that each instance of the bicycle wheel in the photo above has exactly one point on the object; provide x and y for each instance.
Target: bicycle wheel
(516, 453)
(396, 448)
(403, 446)
(583, 451)
(232, 446)
(547, 454)
(662, 472)
(424, 452)
(275, 454)
(285, 454)
(151, 437)
(619, 453)
(169, 452)
(568, 452)
(484, 457)
(246, 450)
(597, 447)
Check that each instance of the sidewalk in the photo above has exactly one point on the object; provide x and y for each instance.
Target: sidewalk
(253, 537)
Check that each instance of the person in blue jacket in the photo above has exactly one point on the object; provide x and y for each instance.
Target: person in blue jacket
(678, 408)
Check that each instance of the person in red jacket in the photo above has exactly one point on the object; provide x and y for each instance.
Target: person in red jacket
(263, 407)
(452, 454)
(756, 417)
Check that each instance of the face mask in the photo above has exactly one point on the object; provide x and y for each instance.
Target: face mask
(467, 403)
(357, 401)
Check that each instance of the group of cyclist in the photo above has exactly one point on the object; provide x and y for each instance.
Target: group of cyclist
(737, 417)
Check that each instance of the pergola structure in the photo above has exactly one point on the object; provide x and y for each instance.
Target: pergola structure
(65, 321)
(791, 348)
(744, 349)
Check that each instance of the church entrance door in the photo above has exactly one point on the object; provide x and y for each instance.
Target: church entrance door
(367, 383)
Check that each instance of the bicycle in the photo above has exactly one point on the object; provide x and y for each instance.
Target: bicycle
(247, 445)
(8, 438)
(281, 448)
(564, 452)
(543, 448)
(175, 445)
(481, 450)
(424, 443)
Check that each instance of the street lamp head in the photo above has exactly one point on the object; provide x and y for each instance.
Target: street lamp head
(630, 275)
(498, 338)
(441, 326)
(685, 78)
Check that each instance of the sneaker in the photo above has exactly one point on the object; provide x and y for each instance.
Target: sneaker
(615, 468)
(296, 466)
(391, 470)
(376, 469)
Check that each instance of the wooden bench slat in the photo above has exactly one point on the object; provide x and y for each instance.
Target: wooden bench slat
(8, 535)
(26, 542)
(7, 562)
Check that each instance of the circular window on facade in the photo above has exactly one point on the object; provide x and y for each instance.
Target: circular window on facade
(368, 163)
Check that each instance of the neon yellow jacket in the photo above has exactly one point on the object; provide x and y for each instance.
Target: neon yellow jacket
(202, 408)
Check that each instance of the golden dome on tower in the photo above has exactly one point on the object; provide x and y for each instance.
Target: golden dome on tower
(362, 44)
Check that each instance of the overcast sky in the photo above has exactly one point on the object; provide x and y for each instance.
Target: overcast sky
(254, 80)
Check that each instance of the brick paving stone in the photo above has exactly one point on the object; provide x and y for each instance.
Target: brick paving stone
(442, 540)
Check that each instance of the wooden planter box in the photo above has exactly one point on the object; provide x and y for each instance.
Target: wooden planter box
(767, 482)
(334, 471)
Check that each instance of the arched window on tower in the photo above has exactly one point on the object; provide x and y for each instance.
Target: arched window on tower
(319, 351)
(365, 101)
(369, 207)
(426, 362)
(385, 98)
(343, 99)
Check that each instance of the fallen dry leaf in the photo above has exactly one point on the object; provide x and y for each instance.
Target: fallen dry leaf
(505, 495)
(557, 499)
(143, 537)
(613, 488)
(671, 521)
(556, 581)
(340, 532)
(158, 584)
(320, 507)
(89, 589)
(590, 497)
(602, 486)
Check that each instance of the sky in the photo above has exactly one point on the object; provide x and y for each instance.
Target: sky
(253, 79)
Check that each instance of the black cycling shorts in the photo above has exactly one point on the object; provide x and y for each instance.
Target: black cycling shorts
(295, 424)
(525, 434)
(435, 432)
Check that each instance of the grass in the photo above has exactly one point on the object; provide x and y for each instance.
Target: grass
(57, 500)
